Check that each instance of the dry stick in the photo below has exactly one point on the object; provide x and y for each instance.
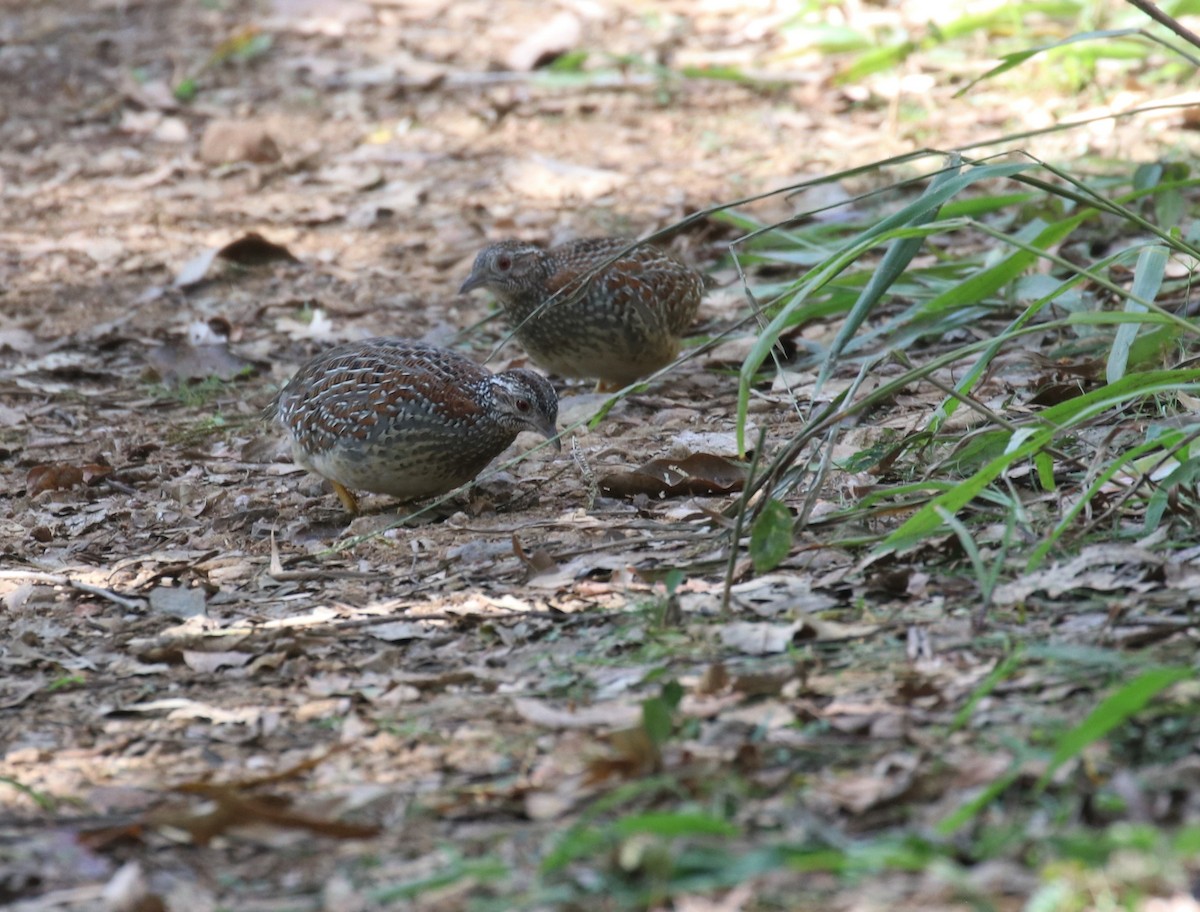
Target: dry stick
(757, 313)
(589, 477)
(54, 579)
(814, 491)
(735, 536)
(1163, 19)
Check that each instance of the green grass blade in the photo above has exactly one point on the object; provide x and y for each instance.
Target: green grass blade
(1010, 61)
(1002, 671)
(909, 222)
(988, 282)
(899, 254)
(670, 824)
(1026, 441)
(1111, 712)
(1147, 280)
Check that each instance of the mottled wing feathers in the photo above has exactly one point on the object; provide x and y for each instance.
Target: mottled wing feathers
(659, 291)
(361, 390)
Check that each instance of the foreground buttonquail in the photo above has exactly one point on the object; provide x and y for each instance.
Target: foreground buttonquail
(404, 418)
(624, 324)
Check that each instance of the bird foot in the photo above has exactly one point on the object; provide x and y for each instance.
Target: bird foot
(346, 496)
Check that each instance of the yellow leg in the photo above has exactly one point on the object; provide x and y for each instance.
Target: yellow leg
(346, 496)
(607, 386)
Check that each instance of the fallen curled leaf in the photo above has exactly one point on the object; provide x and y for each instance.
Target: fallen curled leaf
(697, 474)
(537, 562)
(251, 249)
(60, 477)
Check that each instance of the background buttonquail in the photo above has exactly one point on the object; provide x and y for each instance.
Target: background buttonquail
(623, 324)
(404, 418)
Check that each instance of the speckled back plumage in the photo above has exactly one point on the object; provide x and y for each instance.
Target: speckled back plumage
(623, 323)
(404, 418)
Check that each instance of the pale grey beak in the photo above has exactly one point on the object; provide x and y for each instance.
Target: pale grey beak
(474, 280)
(550, 432)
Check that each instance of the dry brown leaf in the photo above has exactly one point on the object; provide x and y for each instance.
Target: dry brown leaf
(632, 755)
(60, 477)
(697, 474)
(888, 780)
(1103, 568)
(538, 562)
(203, 354)
(234, 808)
(553, 180)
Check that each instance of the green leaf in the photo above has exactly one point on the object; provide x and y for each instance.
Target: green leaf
(771, 536)
(672, 694)
(899, 254)
(570, 62)
(1183, 474)
(666, 823)
(41, 799)
(1112, 711)
(186, 90)
(967, 811)
(1129, 457)
(874, 61)
(1045, 470)
(1003, 670)
(459, 869)
(1169, 204)
(656, 720)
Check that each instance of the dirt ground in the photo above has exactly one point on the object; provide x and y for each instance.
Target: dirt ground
(218, 693)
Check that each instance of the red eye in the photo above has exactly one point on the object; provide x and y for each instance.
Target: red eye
(504, 262)
(523, 405)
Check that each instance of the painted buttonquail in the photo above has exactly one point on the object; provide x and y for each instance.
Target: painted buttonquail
(404, 418)
(622, 324)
